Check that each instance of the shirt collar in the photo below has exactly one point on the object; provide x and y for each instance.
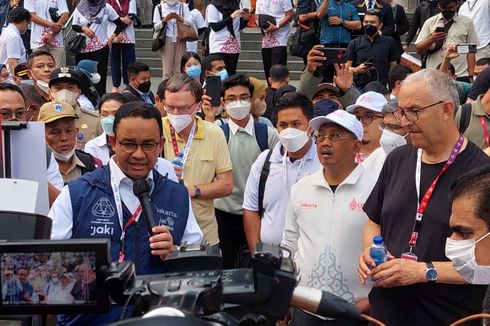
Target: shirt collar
(120, 177)
(249, 128)
(276, 156)
(74, 163)
(352, 178)
(199, 134)
(101, 140)
(455, 17)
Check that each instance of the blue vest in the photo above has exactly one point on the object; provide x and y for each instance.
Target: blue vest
(95, 216)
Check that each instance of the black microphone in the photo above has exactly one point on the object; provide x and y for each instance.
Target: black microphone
(324, 303)
(141, 189)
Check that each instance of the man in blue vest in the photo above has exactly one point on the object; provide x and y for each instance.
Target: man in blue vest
(101, 204)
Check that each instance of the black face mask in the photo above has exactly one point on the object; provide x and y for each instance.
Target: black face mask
(448, 14)
(145, 87)
(370, 30)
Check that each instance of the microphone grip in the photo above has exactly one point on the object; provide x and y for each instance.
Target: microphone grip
(148, 212)
(324, 303)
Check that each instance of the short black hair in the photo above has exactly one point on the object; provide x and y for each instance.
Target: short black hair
(398, 73)
(161, 89)
(135, 68)
(36, 54)
(376, 86)
(450, 68)
(18, 15)
(376, 13)
(482, 62)
(13, 88)
(208, 60)
(112, 97)
(475, 184)
(445, 3)
(279, 73)
(295, 100)
(138, 109)
(237, 80)
(186, 58)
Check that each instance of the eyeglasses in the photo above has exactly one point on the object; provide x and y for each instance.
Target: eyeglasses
(413, 114)
(242, 99)
(389, 127)
(367, 118)
(335, 137)
(147, 147)
(180, 109)
(18, 114)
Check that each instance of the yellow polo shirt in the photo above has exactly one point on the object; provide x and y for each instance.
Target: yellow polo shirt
(207, 157)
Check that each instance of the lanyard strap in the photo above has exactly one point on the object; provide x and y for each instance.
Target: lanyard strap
(428, 194)
(123, 234)
(359, 158)
(285, 169)
(188, 144)
(485, 131)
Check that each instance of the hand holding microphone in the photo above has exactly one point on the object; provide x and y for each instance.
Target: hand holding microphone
(161, 240)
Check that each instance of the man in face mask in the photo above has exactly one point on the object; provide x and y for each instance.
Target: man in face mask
(61, 137)
(245, 141)
(444, 29)
(264, 212)
(214, 65)
(139, 84)
(64, 86)
(40, 65)
(198, 150)
(371, 56)
(469, 245)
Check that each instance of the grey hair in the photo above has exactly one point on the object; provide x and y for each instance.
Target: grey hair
(390, 107)
(184, 82)
(439, 85)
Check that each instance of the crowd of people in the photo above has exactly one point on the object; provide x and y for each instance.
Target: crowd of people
(371, 146)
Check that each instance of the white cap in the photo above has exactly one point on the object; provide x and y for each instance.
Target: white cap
(341, 118)
(370, 100)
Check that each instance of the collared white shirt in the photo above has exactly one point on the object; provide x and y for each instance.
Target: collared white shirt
(249, 128)
(276, 194)
(54, 174)
(479, 12)
(62, 213)
(11, 47)
(367, 4)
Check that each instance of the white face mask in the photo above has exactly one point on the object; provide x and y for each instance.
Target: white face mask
(65, 96)
(238, 110)
(293, 139)
(95, 78)
(63, 157)
(43, 86)
(390, 140)
(179, 122)
(462, 255)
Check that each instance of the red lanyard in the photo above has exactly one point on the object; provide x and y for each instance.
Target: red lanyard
(123, 234)
(359, 157)
(485, 131)
(428, 194)
(174, 140)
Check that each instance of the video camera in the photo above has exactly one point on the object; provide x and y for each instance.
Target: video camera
(269, 288)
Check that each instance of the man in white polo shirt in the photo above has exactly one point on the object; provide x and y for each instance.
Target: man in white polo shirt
(324, 218)
(264, 212)
(368, 110)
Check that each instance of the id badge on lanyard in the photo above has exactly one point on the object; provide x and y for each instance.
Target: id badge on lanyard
(285, 170)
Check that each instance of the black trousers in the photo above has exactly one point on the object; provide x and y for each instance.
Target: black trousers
(301, 318)
(274, 56)
(231, 61)
(232, 238)
(102, 57)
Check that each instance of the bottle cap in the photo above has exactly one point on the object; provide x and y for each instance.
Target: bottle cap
(378, 240)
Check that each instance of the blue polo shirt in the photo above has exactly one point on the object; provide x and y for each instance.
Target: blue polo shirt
(337, 34)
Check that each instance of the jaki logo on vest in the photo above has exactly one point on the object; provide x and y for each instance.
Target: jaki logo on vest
(103, 208)
(101, 230)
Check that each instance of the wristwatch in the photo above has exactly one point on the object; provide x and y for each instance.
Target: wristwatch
(342, 22)
(197, 192)
(430, 273)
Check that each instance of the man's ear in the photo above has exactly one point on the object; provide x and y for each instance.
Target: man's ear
(29, 74)
(112, 140)
(357, 146)
(269, 80)
(157, 99)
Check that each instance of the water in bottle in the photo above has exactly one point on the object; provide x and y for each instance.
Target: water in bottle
(178, 161)
(378, 250)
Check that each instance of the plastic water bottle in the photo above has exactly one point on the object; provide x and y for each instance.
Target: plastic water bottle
(378, 250)
(178, 161)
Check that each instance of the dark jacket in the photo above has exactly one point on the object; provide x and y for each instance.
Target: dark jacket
(401, 25)
(132, 94)
(388, 28)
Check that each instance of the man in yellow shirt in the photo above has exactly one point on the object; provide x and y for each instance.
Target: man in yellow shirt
(205, 164)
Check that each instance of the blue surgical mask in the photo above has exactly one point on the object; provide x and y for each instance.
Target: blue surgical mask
(194, 71)
(107, 124)
(223, 74)
(27, 82)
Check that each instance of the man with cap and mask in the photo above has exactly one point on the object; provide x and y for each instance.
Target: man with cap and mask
(294, 157)
(61, 137)
(469, 245)
(64, 86)
(325, 209)
(368, 110)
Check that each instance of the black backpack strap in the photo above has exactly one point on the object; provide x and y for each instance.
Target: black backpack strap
(87, 160)
(48, 156)
(226, 131)
(464, 121)
(261, 135)
(160, 11)
(263, 179)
